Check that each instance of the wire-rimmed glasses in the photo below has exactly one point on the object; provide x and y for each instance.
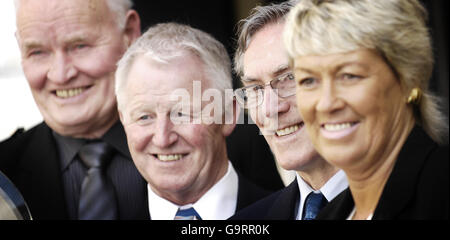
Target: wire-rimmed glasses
(253, 95)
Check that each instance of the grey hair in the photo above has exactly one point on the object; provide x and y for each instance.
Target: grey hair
(166, 41)
(260, 16)
(117, 7)
(396, 29)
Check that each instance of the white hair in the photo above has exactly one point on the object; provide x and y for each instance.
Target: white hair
(117, 7)
(166, 41)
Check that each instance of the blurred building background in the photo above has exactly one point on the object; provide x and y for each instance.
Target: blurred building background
(218, 17)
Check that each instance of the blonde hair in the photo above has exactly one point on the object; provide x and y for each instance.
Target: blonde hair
(396, 29)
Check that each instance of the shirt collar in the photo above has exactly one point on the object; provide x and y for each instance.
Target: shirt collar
(330, 189)
(68, 147)
(218, 203)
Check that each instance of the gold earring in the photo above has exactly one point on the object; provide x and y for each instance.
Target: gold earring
(415, 96)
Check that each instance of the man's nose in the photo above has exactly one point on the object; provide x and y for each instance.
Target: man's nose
(164, 135)
(272, 104)
(61, 69)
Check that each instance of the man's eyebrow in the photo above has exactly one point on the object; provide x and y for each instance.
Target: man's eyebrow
(69, 39)
(30, 44)
(75, 39)
(247, 79)
(78, 36)
(280, 70)
(275, 73)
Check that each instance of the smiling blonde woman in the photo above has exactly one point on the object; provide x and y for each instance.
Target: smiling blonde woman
(362, 70)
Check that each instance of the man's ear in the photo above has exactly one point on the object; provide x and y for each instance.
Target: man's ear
(132, 28)
(122, 115)
(228, 126)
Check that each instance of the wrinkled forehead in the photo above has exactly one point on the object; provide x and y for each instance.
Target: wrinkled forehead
(51, 11)
(182, 73)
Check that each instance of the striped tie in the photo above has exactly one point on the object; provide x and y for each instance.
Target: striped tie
(97, 197)
(187, 214)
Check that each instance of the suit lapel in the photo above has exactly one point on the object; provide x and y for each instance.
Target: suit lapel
(117, 138)
(285, 205)
(248, 193)
(133, 182)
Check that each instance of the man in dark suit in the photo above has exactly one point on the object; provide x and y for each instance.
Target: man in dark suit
(269, 94)
(69, 51)
(175, 101)
(69, 61)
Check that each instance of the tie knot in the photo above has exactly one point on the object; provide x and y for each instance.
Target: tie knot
(313, 204)
(95, 154)
(187, 214)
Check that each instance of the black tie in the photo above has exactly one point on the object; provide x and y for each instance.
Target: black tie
(97, 198)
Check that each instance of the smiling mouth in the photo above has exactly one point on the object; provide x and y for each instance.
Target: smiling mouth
(289, 130)
(169, 157)
(68, 93)
(338, 126)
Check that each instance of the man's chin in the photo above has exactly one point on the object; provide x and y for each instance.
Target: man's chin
(78, 128)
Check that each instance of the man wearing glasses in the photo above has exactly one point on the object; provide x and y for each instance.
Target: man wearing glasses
(269, 95)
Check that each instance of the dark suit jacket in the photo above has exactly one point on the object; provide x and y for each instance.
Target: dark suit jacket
(281, 205)
(248, 193)
(251, 156)
(418, 187)
(31, 161)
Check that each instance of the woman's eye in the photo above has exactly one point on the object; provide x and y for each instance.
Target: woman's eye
(349, 76)
(306, 82)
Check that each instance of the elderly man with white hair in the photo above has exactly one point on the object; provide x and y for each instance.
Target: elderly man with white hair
(75, 164)
(173, 90)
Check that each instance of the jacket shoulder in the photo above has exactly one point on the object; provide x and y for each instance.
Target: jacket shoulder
(432, 194)
(278, 205)
(248, 192)
(14, 146)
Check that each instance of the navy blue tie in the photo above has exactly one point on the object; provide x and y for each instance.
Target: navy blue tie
(313, 204)
(187, 214)
(97, 198)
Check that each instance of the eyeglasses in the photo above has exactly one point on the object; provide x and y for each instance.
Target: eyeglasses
(253, 95)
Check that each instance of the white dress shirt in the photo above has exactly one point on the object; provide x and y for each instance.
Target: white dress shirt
(330, 189)
(218, 203)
